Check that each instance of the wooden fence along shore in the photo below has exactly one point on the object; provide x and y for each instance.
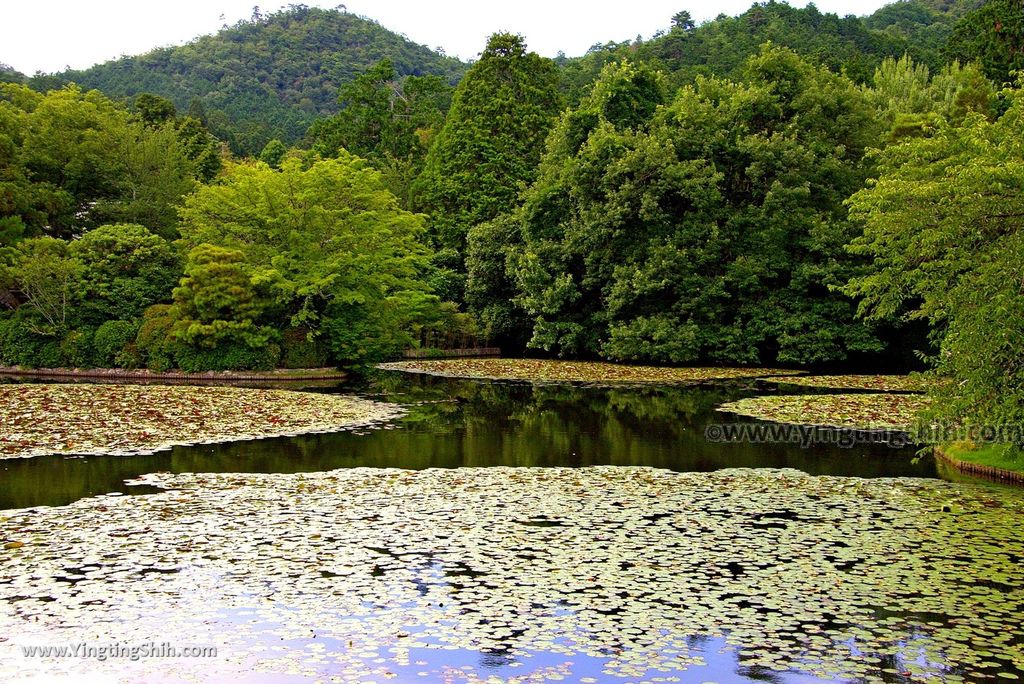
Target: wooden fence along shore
(220, 376)
(986, 471)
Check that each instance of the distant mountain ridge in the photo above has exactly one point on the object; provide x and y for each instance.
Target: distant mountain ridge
(272, 76)
(263, 78)
(854, 45)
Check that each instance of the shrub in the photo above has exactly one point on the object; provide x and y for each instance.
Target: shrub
(154, 345)
(111, 339)
(299, 351)
(128, 357)
(76, 349)
(48, 355)
(6, 328)
(19, 346)
(227, 357)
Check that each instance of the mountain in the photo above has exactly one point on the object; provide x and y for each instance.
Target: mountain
(272, 76)
(855, 45)
(265, 78)
(926, 25)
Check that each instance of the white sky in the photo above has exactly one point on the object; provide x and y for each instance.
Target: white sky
(48, 35)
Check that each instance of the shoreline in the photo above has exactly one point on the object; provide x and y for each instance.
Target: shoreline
(280, 375)
(978, 469)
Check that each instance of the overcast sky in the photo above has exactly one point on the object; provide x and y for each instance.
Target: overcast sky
(48, 35)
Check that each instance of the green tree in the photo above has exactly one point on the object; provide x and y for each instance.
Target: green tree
(712, 231)
(910, 101)
(328, 244)
(74, 160)
(992, 34)
(125, 270)
(490, 144)
(387, 120)
(273, 153)
(155, 110)
(942, 226)
(219, 300)
(47, 279)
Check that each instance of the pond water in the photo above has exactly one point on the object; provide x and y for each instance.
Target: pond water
(552, 570)
(462, 423)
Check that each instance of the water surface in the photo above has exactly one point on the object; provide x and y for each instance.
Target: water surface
(463, 423)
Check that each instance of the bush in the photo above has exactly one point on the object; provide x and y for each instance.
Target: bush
(227, 357)
(298, 351)
(154, 345)
(19, 346)
(111, 339)
(128, 357)
(48, 355)
(76, 349)
(6, 327)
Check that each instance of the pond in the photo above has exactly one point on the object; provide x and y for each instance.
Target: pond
(460, 423)
(545, 533)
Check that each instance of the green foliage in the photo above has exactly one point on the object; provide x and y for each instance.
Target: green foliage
(48, 280)
(491, 140)
(942, 225)
(155, 110)
(71, 160)
(924, 25)
(273, 152)
(76, 349)
(111, 339)
(992, 34)
(267, 78)
(300, 349)
(219, 300)
(155, 343)
(713, 230)
(125, 269)
(490, 291)
(722, 46)
(232, 356)
(21, 345)
(910, 102)
(386, 120)
(325, 247)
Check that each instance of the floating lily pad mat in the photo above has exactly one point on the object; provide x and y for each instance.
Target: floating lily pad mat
(603, 573)
(541, 370)
(133, 419)
(855, 411)
(877, 383)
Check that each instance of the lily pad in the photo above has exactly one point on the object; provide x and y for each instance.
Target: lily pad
(876, 383)
(542, 370)
(133, 419)
(371, 575)
(854, 411)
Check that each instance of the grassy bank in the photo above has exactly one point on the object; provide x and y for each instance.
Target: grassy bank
(998, 456)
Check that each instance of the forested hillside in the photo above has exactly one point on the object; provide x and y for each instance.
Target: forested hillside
(854, 45)
(265, 78)
(272, 76)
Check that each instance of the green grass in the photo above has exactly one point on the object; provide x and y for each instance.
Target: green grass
(1003, 456)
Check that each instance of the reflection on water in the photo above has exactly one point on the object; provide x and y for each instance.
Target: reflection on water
(454, 423)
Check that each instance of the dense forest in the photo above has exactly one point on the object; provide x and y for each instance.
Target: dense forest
(273, 75)
(785, 186)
